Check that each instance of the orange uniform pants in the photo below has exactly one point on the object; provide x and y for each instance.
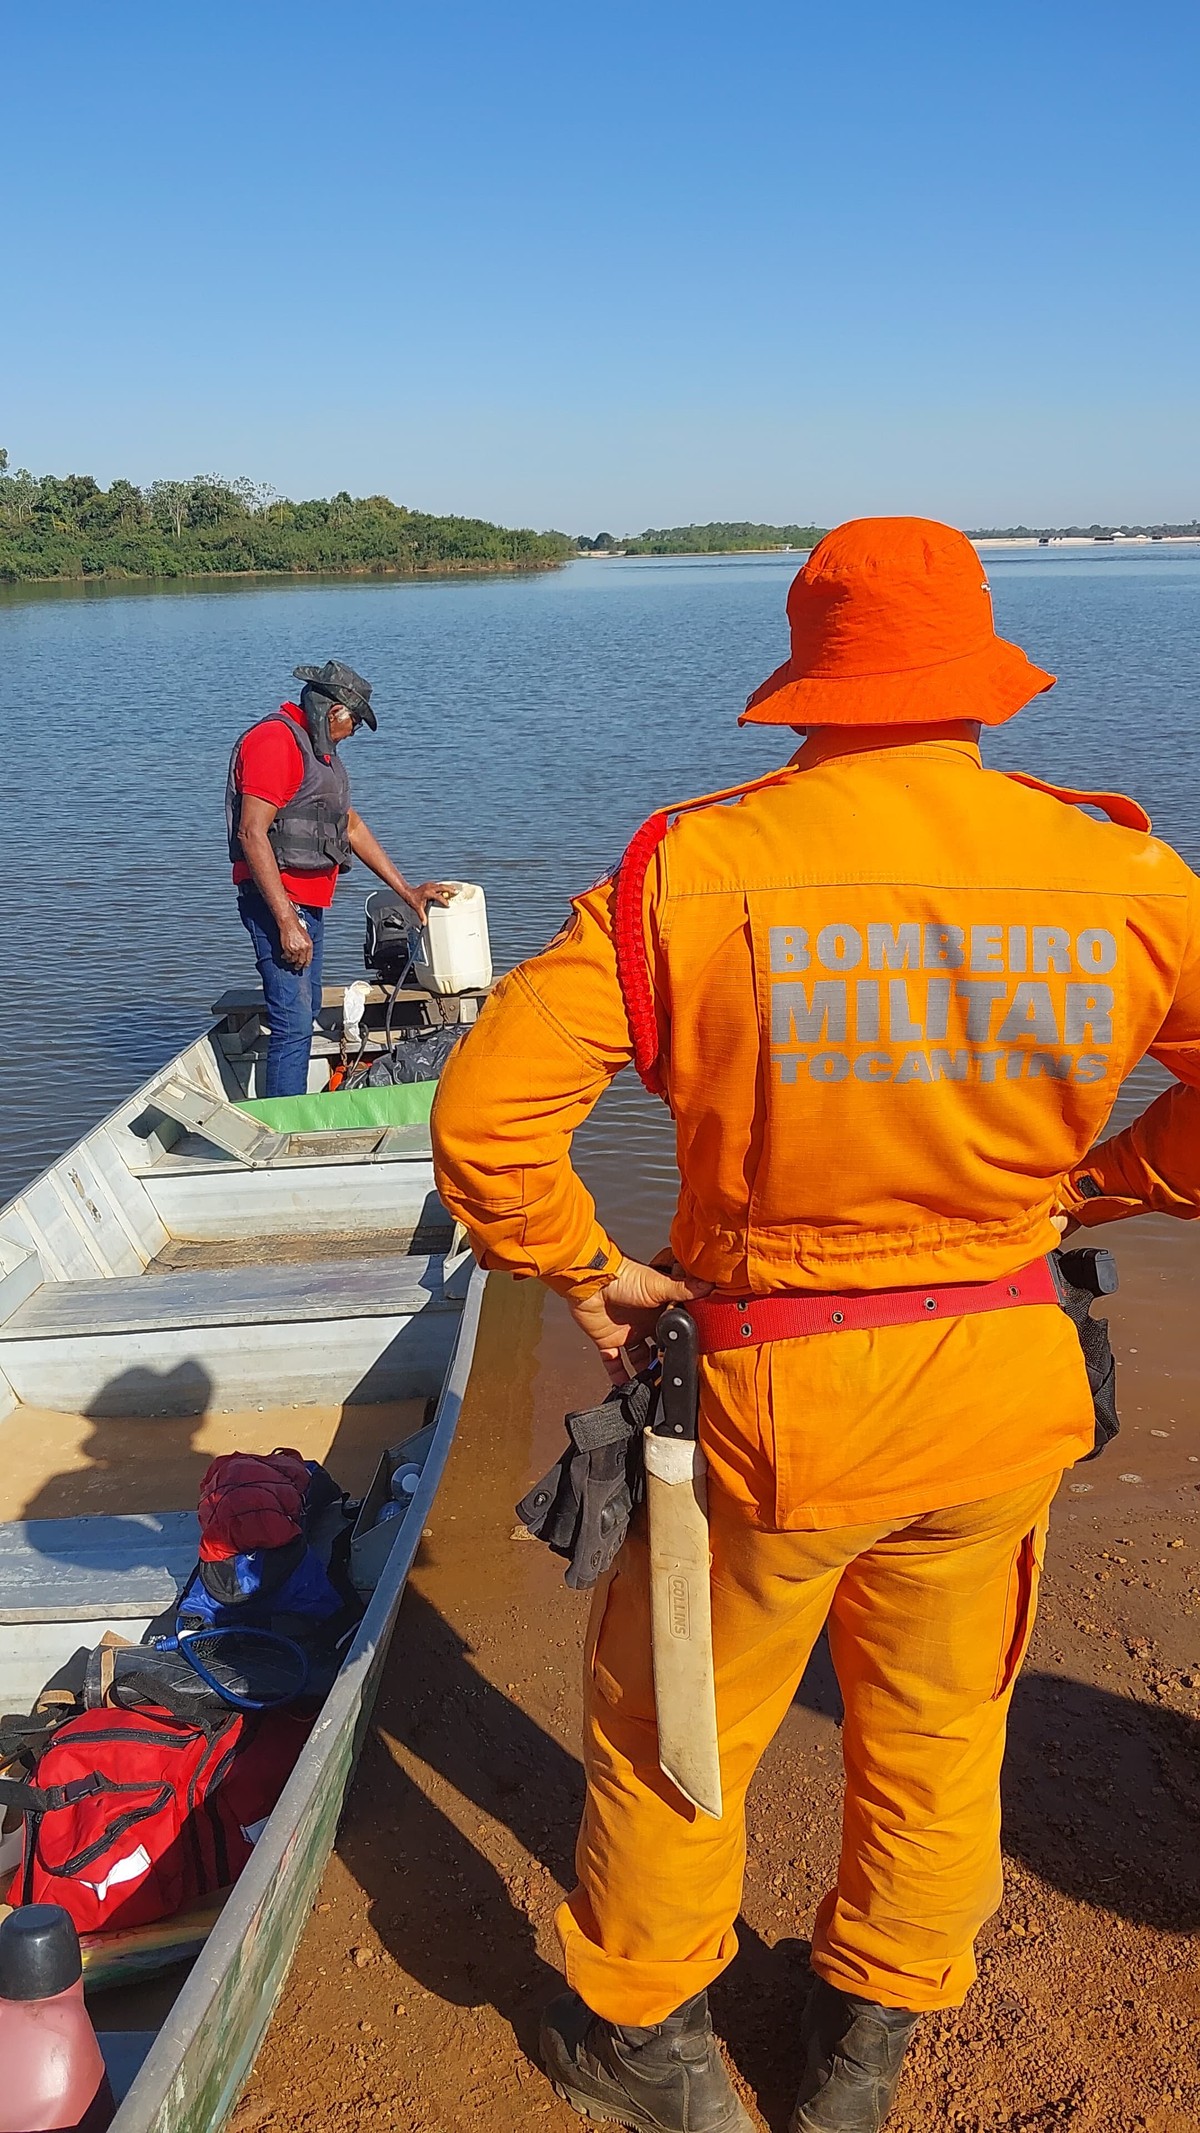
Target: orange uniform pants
(929, 1618)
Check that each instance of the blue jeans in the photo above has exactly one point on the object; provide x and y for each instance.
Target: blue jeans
(293, 996)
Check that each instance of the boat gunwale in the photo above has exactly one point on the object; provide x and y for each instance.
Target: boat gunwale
(141, 1099)
(152, 2093)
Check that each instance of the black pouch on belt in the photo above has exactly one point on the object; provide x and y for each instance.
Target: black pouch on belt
(583, 1506)
(1082, 1276)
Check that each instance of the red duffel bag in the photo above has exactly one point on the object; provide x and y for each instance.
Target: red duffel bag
(133, 1814)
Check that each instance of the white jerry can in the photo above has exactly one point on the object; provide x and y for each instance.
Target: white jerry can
(453, 953)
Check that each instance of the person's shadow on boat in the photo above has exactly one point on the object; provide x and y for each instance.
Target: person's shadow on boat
(138, 1459)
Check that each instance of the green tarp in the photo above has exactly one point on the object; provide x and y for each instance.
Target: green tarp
(406, 1103)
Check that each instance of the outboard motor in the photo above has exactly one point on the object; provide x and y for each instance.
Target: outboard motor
(449, 955)
(446, 958)
(391, 937)
(389, 946)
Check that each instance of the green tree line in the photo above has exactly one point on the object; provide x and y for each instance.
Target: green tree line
(720, 538)
(1161, 531)
(67, 526)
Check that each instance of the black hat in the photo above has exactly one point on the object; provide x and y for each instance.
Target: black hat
(342, 685)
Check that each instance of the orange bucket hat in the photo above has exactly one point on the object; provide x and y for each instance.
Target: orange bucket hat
(892, 625)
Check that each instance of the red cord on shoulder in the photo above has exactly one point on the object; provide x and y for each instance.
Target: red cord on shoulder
(629, 941)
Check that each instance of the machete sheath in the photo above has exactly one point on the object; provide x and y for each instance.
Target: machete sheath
(680, 1596)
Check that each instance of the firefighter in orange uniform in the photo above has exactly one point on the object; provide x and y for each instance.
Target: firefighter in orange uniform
(889, 997)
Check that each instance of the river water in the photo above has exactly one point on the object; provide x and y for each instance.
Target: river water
(527, 725)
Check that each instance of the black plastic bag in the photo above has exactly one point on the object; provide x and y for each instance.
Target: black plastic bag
(416, 1058)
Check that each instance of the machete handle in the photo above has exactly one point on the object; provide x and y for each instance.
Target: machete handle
(679, 1346)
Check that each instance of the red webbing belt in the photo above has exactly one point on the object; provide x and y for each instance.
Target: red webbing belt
(727, 1324)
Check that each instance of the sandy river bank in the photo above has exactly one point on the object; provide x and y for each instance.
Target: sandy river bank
(414, 2000)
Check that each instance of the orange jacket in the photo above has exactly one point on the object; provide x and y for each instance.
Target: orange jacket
(897, 995)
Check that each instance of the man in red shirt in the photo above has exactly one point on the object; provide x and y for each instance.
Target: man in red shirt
(292, 831)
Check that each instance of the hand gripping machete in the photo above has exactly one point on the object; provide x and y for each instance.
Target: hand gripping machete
(680, 1600)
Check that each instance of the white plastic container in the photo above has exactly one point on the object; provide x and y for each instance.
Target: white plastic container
(453, 952)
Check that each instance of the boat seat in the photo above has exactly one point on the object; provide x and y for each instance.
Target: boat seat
(251, 1000)
(100, 1569)
(248, 1296)
(194, 1154)
(199, 1111)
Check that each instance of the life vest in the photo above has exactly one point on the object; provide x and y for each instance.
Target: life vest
(629, 881)
(313, 831)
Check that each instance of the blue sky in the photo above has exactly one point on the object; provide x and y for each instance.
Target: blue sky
(617, 264)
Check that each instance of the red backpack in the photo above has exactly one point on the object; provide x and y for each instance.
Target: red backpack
(134, 1814)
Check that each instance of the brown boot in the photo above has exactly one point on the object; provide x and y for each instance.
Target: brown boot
(854, 2049)
(669, 2078)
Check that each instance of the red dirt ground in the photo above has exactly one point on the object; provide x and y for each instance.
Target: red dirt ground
(414, 2000)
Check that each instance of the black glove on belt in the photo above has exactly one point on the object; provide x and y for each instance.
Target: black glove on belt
(583, 1506)
(1083, 1274)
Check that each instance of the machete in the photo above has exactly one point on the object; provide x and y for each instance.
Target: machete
(680, 1602)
